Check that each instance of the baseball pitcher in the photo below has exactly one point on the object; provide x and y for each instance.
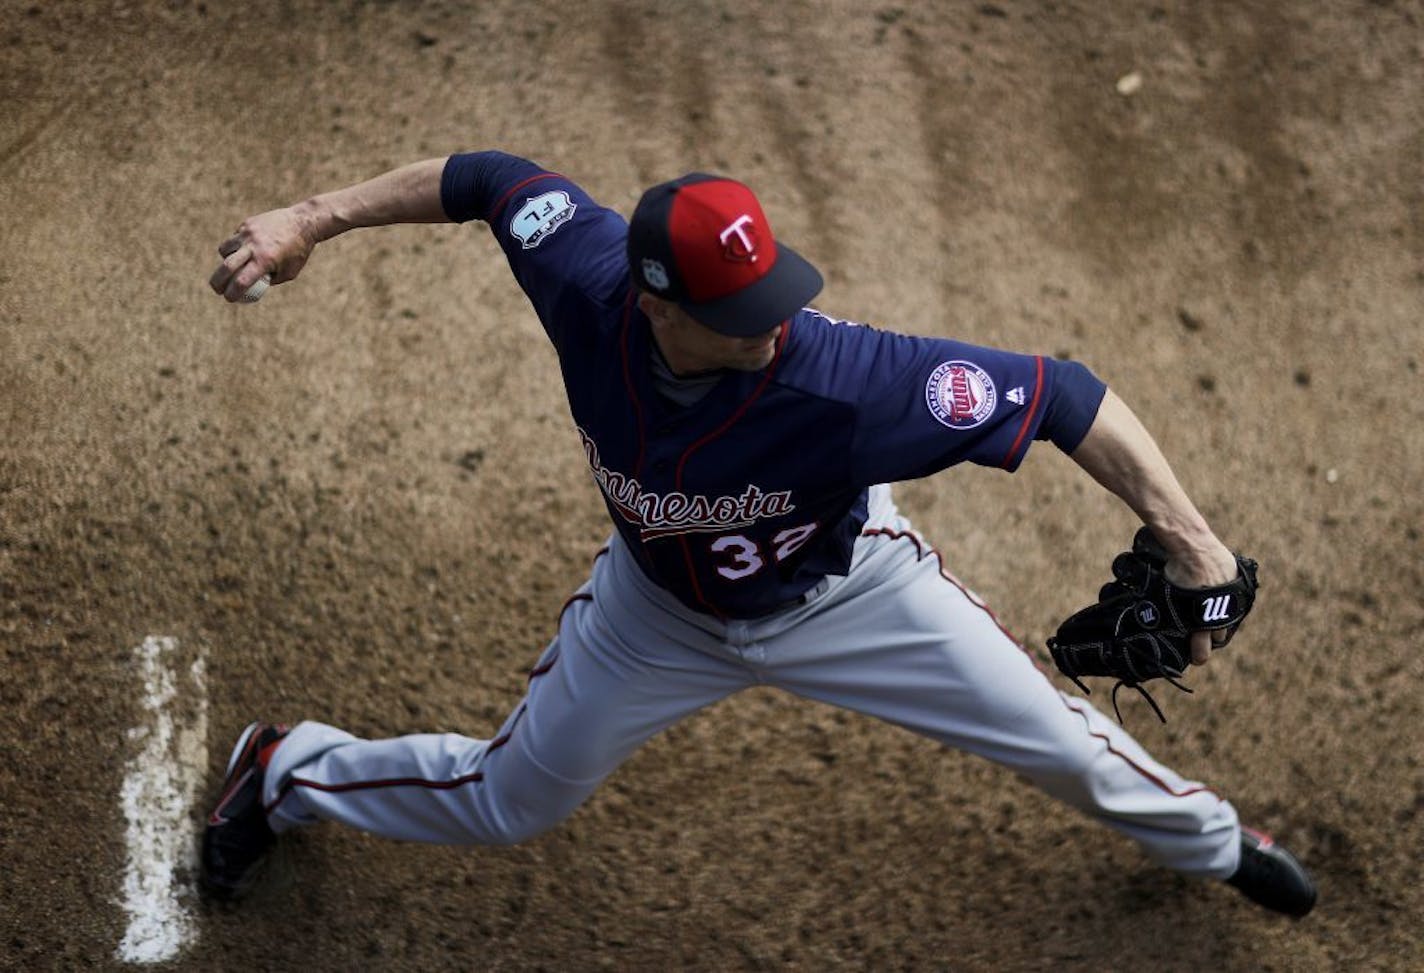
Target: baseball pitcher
(743, 444)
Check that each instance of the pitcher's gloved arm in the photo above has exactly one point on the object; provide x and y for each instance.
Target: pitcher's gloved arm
(1120, 454)
(278, 242)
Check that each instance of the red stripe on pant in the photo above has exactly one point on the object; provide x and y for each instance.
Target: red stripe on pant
(924, 551)
(439, 785)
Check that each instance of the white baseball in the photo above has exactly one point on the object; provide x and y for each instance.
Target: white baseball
(258, 288)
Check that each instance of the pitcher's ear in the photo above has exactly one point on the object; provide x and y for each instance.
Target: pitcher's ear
(653, 306)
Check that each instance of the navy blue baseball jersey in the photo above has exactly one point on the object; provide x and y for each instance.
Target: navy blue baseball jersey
(742, 501)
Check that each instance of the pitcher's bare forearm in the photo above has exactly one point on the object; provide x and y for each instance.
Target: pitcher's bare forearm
(410, 194)
(1121, 455)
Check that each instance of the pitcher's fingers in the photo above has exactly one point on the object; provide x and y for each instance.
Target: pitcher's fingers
(231, 264)
(1201, 648)
(242, 281)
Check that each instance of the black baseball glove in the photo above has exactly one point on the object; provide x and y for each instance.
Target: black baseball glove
(1141, 627)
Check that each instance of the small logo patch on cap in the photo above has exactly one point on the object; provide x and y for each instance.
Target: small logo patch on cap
(655, 274)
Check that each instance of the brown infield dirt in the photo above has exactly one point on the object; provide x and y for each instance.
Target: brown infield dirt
(362, 499)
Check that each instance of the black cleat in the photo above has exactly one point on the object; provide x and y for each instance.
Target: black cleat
(1271, 877)
(237, 838)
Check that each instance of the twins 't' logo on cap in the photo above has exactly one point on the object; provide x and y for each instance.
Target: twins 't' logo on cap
(739, 242)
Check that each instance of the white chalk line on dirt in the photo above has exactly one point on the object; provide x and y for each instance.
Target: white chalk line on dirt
(161, 782)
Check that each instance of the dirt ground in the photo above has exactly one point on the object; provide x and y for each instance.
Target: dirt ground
(361, 500)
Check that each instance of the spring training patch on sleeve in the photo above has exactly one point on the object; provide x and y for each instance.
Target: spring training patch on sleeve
(541, 216)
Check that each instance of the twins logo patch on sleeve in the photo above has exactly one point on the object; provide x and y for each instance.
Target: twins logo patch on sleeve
(541, 216)
(960, 394)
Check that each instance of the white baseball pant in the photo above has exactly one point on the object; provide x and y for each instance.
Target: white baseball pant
(897, 638)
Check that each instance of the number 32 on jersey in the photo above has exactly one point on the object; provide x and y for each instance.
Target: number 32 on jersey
(742, 558)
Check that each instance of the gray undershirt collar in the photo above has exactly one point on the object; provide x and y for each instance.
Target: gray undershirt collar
(681, 390)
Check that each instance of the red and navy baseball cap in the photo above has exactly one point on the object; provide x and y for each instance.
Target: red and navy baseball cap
(703, 242)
